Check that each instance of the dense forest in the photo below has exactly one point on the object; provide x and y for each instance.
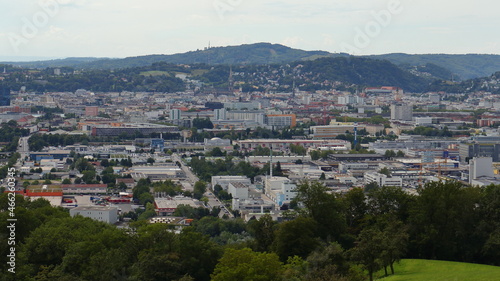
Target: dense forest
(325, 237)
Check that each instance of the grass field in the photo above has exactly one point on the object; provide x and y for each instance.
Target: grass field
(430, 270)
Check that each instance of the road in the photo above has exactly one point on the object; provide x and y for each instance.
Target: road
(23, 147)
(213, 201)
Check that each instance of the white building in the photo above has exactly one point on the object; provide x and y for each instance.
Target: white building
(175, 114)
(100, 213)
(480, 167)
(238, 190)
(224, 181)
(280, 189)
(220, 114)
(382, 180)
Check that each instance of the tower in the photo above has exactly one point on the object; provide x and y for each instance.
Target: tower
(230, 81)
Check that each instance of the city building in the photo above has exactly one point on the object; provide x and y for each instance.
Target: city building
(175, 114)
(281, 120)
(100, 213)
(238, 190)
(224, 181)
(91, 110)
(220, 114)
(117, 129)
(167, 206)
(401, 112)
(280, 189)
(334, 129)
(277, 144)
(382, 179)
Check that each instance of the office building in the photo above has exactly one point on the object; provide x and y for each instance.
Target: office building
(401, 112)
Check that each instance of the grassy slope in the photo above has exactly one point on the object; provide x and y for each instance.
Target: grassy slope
(430, 270)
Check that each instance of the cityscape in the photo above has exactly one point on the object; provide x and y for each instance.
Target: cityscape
(252, 161)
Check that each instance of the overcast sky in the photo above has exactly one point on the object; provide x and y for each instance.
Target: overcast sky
(121, 28)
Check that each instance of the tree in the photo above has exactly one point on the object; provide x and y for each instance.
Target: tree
(150, 160)
(199, 189)
(390, 153)
(66, 181)
(395, 243)
(325, 208)
(368, 250)
(385, 171)
(296, 238)
(444, 219)
(246, 265)
(263, 231)
(216, 152)
(356, 208)
(400, 154)
(322, 177)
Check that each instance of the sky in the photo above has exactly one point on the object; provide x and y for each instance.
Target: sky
(32, 29)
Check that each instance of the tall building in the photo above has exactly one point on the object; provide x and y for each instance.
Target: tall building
(479, 167)
(91, 111)
(175, 114)
(401, 112)
(281, 120)
(469, 150)
(4, 96)
(220, 114)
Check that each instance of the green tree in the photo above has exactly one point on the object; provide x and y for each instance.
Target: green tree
(368, 250)
(263, 231)
(325, 208)
(199, 189)
(444, 219)
(247, 265)
(296, 238)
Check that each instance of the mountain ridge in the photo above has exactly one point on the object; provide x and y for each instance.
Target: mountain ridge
(460, 66)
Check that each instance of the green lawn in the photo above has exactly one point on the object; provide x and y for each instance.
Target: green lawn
(430, 270)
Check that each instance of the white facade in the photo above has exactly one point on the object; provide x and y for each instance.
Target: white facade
(382, 180)
(224, 181)
(238, 190)
(175, 114)
(220, 114)
(100, 213)
(280, 189)
(480, 167)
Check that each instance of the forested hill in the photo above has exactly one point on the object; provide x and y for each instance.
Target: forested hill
(464, 67)
(259, 53)
(320, 74)
(364, 72)
(458, 67)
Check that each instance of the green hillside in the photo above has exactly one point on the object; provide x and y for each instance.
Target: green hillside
(432, 270)
(463, 66)
(441, 66)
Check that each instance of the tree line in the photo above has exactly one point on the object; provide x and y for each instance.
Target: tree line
(327, 236)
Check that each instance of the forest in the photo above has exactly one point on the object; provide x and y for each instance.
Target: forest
(327, 236)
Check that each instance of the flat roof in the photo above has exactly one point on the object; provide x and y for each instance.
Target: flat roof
(95, 208)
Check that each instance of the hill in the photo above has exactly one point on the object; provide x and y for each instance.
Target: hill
(259, 53)
(462, 66)
(440, 66)
(432, 270)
